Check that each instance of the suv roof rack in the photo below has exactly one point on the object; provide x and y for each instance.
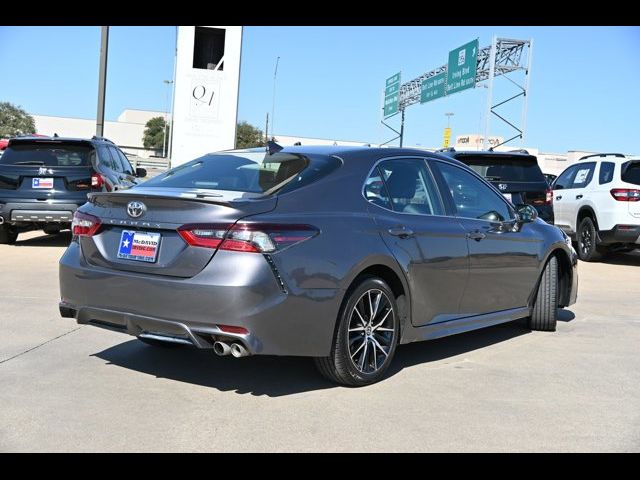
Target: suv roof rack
(447, 149)
(621, 155)
(104, 139)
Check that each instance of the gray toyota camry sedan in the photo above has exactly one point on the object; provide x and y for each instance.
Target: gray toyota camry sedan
(336, 253)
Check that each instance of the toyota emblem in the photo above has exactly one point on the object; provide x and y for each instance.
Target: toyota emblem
(136, 209)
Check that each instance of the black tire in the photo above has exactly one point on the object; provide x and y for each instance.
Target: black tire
(588, 250)
(339, 366)
(8, 235)
(159, 343)
(545, 309)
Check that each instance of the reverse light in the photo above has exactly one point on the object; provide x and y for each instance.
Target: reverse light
(97, 180)
(247, 237)
(626, 194)
(84, 225)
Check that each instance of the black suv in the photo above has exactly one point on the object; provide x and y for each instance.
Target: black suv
(43, 180)
(515, 174)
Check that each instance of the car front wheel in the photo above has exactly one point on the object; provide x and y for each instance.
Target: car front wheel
(366, 336)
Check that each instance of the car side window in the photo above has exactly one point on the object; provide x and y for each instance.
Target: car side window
(606, 172)
(583, 176)
(411, 187)
(105, 157)
(566, 178)
(125, 162)
(116, 160)
(471, 197)
(375, 190)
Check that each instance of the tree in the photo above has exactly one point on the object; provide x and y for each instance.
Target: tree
(15, 121)
(154, 133)
(248, 136)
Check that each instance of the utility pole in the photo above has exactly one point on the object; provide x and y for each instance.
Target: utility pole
(168, 83)
(402, 128)
(266, 130)
(102, 80)
(273, 100)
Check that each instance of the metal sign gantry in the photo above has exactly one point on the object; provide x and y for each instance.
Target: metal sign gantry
(501, 58)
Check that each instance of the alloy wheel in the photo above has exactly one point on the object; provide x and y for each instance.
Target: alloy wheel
(371, 331)
(586, 241)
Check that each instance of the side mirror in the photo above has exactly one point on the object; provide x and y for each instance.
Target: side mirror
(141, 172)
(526, 213)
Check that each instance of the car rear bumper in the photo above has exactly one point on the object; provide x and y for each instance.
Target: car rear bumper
(49, 211)
(235, 289)
(620, 234)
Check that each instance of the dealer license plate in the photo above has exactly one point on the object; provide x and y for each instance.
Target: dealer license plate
(140, 246)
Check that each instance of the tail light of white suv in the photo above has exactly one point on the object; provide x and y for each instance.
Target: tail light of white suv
(626, 194)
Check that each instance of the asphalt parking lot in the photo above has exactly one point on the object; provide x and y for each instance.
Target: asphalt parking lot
(65, 387)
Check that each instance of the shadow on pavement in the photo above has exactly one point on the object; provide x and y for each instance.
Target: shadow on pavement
(62, 239)
(632, 258)
(565, 315)
(278, 376)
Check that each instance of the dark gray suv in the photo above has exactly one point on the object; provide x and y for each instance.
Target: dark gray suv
(335, 253)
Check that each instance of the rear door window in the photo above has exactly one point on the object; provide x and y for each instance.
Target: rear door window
(606, 172)
(47, 155)
(105, 157)
(504, 168)
(116, 160)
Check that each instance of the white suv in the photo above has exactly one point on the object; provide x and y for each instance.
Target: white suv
(597, 203)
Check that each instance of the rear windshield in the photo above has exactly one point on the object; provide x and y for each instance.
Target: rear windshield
(505, 168)
(250, 172)
(631, 172)
(47, 155)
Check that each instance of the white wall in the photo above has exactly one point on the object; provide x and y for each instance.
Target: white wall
(204, 123)
(132, 115)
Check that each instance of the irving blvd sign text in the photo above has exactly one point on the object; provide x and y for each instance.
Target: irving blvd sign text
(461, 69)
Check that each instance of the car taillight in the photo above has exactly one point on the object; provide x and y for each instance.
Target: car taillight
(549, 198)
(626, 194)
(84, 225)
(203, 235)
(247, 237)
(97, 180)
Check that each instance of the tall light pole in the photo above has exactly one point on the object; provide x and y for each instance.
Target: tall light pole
(102, 79)
(449, 115)
(166, 111)
(273, 100)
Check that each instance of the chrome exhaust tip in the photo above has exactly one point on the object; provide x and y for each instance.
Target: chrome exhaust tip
(221, 348)
(238, 350)
(1, 220)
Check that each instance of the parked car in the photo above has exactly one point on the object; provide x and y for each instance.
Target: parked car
(44, 180)
(516, 174)
(327, 252)
(597, 203)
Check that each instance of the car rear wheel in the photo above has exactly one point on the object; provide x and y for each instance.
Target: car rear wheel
(8, 234)
(366, 336)
(545, 309)
(588, 251)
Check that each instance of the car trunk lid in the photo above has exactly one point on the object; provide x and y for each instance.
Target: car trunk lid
(164, 211)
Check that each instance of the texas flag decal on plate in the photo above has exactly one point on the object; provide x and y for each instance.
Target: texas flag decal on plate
(42, 183)
(142, 246)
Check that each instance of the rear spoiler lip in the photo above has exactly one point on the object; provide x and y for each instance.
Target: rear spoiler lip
(210, 200)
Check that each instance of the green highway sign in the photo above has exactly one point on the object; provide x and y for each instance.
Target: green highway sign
(394, 79)
(461, 69)
(392, 95)
(433, 87)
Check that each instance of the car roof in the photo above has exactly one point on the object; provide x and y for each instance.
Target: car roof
(30, 139)
(609, 157)
(515, 153)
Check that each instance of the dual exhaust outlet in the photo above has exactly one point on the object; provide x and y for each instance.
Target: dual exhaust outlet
(236, 349)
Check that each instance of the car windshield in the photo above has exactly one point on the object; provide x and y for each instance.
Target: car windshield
(505, 168)
(247, 171)
(47, 155)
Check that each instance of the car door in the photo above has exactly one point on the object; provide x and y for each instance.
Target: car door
(430, 246)
(577, 192)
(560, 198)
(503, 254)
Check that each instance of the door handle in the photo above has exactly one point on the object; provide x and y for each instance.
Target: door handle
(558, 197)
(401, 232)
(477, 236)
(578, 197)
